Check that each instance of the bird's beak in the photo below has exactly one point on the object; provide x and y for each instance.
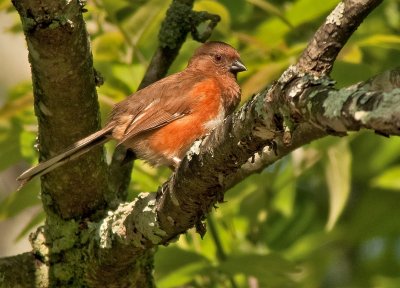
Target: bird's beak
(237, 66)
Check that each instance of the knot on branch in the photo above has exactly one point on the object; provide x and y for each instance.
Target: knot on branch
(200, 32)
(180, 20)
(35, 17)
(133, 223)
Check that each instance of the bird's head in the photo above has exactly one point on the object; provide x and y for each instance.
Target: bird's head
(217, 57)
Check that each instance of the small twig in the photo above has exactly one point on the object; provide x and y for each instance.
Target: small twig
(179, 21)
(330, 38)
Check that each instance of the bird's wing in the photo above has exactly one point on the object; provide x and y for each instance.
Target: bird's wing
(151, 120)
(159, 104)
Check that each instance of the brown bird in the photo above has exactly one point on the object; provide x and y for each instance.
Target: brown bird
(160, 122)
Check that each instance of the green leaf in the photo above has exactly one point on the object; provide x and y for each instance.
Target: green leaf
(147, 178)
(388, 179)
(121, 79)
(9, 143)
(108, 47)
(175, 266)
(386, 281)
(338, 177)
(299, 13)
(271, 270)
(391, 41)
(5, 5)
(20, 99)
(183, 275)
(346, 73)
(113, 7)
(375, 215)
(130, 75)
(17, 201)
(139, 21)
(307, 10)
(215, 8)
(270, 8)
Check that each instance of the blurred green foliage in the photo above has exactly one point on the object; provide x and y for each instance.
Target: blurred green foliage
(325, 216)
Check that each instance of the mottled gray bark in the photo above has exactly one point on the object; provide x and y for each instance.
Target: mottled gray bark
(19, 271)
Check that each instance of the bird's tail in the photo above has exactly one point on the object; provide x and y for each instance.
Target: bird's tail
(72, 152)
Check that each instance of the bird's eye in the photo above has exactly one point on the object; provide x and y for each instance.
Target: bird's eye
(217, 57)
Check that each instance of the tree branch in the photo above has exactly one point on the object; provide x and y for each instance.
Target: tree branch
(373, 104)
(330, 38)
(19, 271)
(272, 120)
(179, 21)
(296, 110)
(222, 159)
(65, 103)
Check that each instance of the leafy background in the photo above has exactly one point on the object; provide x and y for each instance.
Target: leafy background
(325, 216)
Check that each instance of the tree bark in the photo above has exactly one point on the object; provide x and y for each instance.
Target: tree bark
(65, 102)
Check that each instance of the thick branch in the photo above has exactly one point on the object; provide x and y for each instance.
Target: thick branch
(267, 123)
(272, 121)
(373, 105)
(179, 21)
(65, 103)
(272, 124)
(330, 38)
(19, 271)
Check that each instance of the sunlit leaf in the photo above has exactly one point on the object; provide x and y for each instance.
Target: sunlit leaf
(135, 24)
(256, 82)
(175, 266)
(388, 179)
(338, 176)
(383, 41)
(301, 11)
(130, 75)
(284, 185)
(9, 143)
(4, 4)
(108, 47)
(20, 98)
(351, 54)
(270, 8)
(17, 201)
(386, 281)
(215, 8)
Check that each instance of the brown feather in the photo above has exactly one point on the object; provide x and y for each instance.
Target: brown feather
(160, 122)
